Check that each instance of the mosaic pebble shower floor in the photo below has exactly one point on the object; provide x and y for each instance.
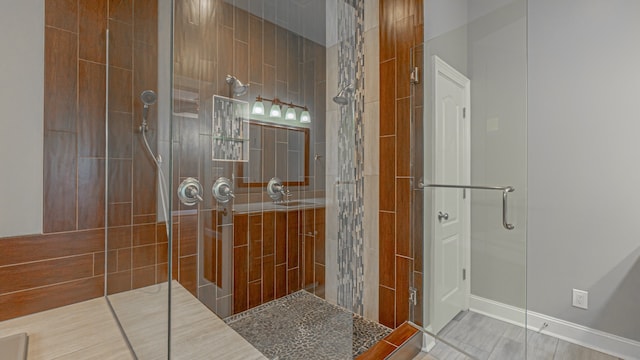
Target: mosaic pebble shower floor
(303, 326)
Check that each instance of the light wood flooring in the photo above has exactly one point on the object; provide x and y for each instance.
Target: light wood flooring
(196, 332)
(486, 338)
(88, 330)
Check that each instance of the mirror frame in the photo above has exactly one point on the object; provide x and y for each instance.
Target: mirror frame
(240, 166)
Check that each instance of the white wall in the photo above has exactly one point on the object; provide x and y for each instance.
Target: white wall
(21, 119)
(584, 161)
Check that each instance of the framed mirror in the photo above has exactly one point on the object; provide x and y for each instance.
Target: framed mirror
(275, 150)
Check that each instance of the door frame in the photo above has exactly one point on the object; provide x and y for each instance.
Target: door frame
(438, 66)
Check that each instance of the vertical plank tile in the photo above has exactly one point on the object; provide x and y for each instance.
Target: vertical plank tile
(268, 278)
(404, 42)
(119, 181)
(388, 173)
(62, 14)
(240, 279)
(293, 249)
(269, 42)
(120, 96)
(403, 217)
(189, 273)
(120, 44)
(404, 268)
(60, 167)
(255, 49)
(240, 229)
(240, 24)
(121, 10)
(146, 21)
(60, 80)
(281, 238)
(188, 235)
(387, 30)
(386, 311)
(293, 280)
(281, 280)
(387, 250)
(255, 247)
(92, 30)
(268, 233)
(255, 294)
(403, 132)
(91, 109)
(120, 135)
(388, 98)
(91, 191)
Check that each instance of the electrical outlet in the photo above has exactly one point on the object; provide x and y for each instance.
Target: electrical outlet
(580, 299)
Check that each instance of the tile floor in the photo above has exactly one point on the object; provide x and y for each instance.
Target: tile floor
(303, 326)
(486, 338)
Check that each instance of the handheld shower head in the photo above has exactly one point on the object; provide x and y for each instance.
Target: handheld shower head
(343, 96)
(148, 97)
(237, 87)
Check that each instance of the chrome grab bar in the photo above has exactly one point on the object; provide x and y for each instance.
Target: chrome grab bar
(505, 191)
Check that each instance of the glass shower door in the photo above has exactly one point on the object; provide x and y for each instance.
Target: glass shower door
(470, 200)
(137, 234)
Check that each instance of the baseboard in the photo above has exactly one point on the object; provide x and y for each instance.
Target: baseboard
(574, 333)
(428, 342)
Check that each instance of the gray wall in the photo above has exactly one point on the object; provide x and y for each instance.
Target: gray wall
(498, 70)
(486, 41)
(584, 161)
(21, 125)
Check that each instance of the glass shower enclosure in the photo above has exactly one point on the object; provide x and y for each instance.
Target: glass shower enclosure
(470, 179)
(218, 163)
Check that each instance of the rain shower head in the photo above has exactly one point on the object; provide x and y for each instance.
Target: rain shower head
(237, 87)
(343, 96)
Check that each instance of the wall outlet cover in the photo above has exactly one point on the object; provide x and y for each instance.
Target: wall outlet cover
(580, 299)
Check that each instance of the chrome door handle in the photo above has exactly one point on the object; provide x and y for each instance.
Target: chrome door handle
(442, 216)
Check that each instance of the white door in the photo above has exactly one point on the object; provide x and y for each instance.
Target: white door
(450, 207)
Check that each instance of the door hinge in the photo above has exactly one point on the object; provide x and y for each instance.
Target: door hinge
(414, 78)
(464, 193)
(464, 112)
(464, 274)
(413, 296)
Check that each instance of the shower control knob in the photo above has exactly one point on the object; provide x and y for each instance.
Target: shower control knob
(222, 190)
(190, 191)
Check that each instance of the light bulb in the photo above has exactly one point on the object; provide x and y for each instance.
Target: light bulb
(305, 117)
(258, 108)
(290, 114)
(275, 111)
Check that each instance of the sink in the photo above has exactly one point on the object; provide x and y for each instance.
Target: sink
(293, 203)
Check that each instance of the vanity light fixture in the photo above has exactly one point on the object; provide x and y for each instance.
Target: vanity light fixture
(305, 117)
(276, 109)
(258, 108)
(290, 114)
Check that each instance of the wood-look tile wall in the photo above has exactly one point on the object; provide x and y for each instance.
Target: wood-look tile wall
(275, 254)
(401, 29)
(66, 264)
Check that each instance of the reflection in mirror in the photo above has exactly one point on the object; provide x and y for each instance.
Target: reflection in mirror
(276, 151)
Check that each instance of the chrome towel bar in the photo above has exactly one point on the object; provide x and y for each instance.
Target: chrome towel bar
(505, 191)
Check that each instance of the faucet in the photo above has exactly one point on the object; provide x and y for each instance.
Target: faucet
(277, 191)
